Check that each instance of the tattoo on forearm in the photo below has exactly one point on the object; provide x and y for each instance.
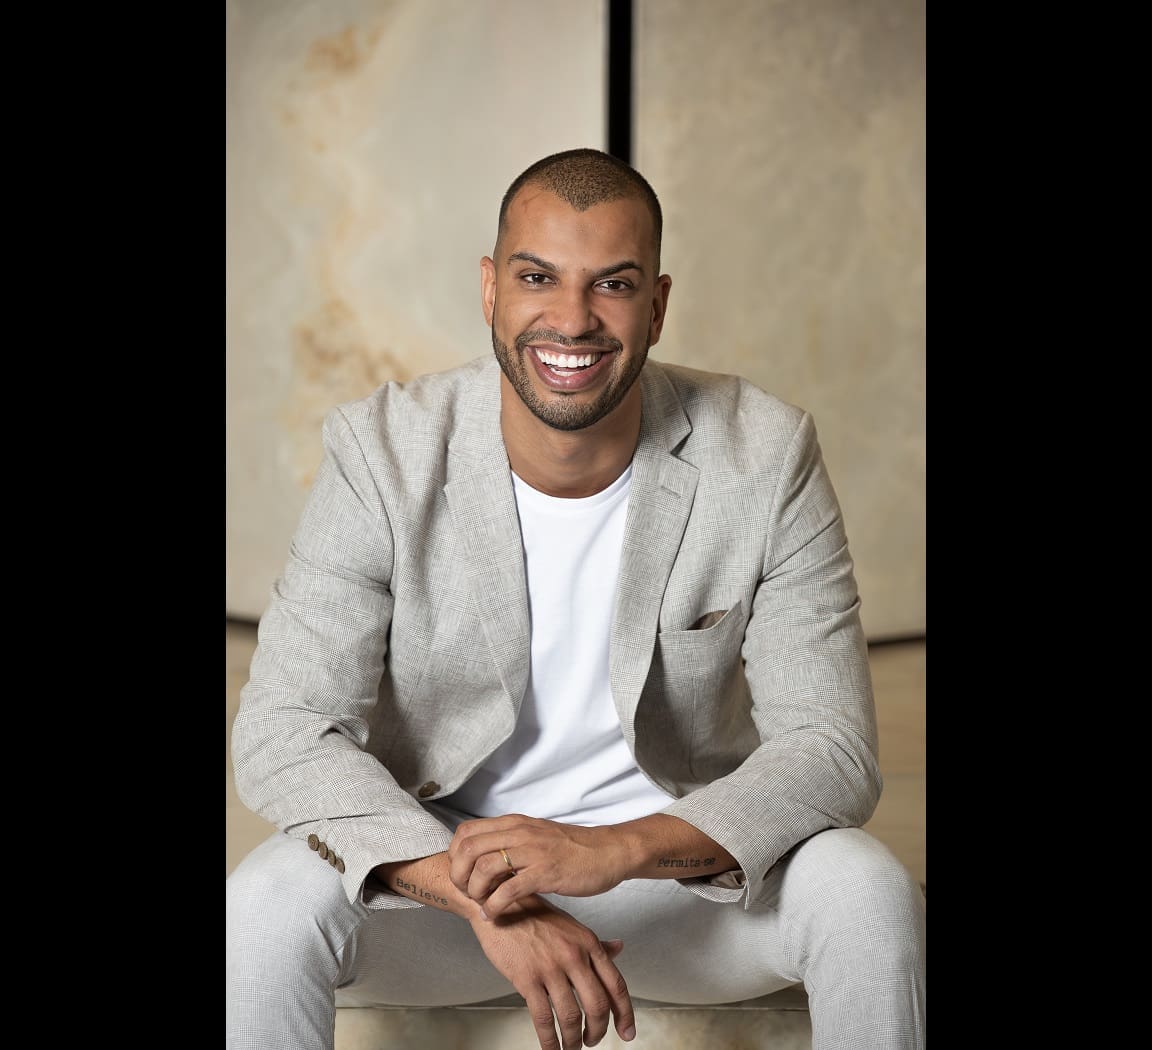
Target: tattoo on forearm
(416, 891)
(685, 862)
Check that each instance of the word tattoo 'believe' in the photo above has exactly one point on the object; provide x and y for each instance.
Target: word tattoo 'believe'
(417, 891)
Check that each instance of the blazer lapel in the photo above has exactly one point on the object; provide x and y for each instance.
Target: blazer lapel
(482, 503)
(659, 502)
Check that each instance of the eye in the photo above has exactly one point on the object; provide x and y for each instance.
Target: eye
(535, 280)
(614, 284)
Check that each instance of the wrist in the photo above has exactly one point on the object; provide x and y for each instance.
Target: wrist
(622, 849)
(426, 881)
(533, 904)
(662, 846)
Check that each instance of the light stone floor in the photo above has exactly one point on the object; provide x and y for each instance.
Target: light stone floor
(898, 671)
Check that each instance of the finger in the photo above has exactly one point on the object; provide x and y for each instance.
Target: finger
(617, 990)
(465, 857)
(569, 1015)
(491, 825)
(511, 839)
(595, 1003)
(510, 891)
(461, 860)
(613, 948)
(489, 872)
(540, 1010)
(465, 853)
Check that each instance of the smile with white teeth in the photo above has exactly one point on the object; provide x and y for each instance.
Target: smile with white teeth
(566, 362)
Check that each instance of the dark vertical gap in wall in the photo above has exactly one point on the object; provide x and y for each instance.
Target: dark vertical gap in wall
(620, 79)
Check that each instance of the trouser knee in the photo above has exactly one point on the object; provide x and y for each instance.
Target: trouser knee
(848, 889)
(281, 901)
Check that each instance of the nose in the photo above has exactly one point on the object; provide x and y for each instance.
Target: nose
(570, 312)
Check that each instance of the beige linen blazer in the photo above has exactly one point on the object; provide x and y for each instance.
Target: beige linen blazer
(394, 653)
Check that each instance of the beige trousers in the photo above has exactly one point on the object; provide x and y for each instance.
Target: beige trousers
(842, 916)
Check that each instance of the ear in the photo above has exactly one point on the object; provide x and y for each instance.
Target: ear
(659, 308)
(488, 288)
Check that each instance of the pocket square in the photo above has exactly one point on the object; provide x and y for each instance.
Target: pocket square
(707, 620)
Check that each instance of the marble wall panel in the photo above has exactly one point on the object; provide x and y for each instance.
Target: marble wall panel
(368, 145)
(786, 140)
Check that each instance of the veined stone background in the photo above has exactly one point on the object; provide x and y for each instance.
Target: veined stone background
(786, 141)
(369, 143)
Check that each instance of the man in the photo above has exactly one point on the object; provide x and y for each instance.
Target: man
(563, 689)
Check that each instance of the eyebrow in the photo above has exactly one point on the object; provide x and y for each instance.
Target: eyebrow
(607, 271)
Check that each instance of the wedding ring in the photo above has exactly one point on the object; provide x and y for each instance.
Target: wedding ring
(504, 854)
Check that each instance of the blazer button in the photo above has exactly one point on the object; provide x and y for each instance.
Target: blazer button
(323, 851)
(332, 859)
(428, 789)
(340, 865)
(313, 842)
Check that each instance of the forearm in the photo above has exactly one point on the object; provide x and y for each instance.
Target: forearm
(662, 846)
(498, 860)
(426, 880)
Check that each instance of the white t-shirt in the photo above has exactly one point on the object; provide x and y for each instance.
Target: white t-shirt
(567, 759)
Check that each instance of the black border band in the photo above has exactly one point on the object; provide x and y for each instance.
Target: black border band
(620, 79)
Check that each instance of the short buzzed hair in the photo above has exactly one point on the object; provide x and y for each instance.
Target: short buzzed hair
(586, 177)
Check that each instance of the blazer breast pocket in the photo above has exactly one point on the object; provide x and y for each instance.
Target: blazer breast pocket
(694, 715)
(706, 649)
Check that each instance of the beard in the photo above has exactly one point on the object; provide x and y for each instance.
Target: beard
(564, 411)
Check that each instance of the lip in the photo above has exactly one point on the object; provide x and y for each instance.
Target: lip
(576, 381)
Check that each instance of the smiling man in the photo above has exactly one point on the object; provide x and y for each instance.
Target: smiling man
(574, 299)
(563, 689)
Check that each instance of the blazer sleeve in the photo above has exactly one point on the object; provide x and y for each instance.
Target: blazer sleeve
(806, 661)
(298, 739)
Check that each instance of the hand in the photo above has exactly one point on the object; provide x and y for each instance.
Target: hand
(564, 972)
(547, 857)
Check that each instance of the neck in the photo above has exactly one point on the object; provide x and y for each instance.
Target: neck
(569, 463)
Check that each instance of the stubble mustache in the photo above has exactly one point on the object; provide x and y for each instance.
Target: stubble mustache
(548, 335)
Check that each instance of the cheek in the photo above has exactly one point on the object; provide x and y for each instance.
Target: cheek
(635, 328)
(509, 312)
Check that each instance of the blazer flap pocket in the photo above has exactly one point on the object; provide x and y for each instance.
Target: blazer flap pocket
(710, 627)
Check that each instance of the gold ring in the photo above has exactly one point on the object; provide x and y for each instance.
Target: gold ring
(504, 854)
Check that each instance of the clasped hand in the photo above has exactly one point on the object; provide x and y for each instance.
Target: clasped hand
(543, 857)
(565, 973)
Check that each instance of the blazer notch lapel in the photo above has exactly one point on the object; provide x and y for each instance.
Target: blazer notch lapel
(663, 489)
(486, 524)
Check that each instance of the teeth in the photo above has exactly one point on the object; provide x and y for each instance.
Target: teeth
(567, 360)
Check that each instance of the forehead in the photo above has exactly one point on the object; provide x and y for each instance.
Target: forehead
(540, 222)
